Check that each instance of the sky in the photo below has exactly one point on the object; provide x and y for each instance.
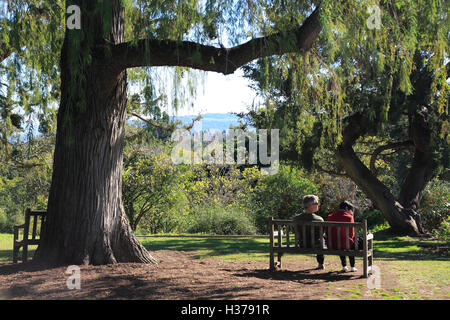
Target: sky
(222, 94)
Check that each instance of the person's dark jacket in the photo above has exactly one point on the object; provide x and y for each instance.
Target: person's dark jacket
(308, 217)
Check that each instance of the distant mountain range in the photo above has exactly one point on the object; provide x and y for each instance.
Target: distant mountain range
(210, 121)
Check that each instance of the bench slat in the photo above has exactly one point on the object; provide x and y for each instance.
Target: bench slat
(287, 236)
(347, 239)
(338, 238)
(318, 223)
(279, 235)
(330, 238)
(355, 253)
(321, 237)
(304, 236)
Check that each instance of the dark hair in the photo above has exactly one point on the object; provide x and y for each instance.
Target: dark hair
(345, 205)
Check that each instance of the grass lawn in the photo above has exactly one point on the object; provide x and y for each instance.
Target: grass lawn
(418, 273)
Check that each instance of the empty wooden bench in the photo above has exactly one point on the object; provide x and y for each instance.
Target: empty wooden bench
(34, 219)
(287, 236)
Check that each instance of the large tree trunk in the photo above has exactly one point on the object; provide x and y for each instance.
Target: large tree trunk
(402, 220)
(400, 213)
(86, 222)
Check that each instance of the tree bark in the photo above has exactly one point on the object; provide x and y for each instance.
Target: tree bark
(86, 223)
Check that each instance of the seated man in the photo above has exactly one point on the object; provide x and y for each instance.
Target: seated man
(311, 205)
(344, 214)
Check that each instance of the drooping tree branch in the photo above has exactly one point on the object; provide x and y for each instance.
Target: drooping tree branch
(152, 52)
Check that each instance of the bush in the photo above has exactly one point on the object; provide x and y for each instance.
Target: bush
(334, 190)
(218, 185)
(280, 196)
(217, 220)
(375, 220)
(443, 233)
(435, 205)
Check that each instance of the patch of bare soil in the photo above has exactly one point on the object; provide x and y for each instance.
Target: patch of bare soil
(181, 276)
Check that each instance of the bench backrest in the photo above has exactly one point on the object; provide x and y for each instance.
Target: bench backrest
(309, 234)
(34, 220)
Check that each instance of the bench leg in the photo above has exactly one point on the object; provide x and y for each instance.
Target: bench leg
(279, 260)
(25, 253)
(15, 253)
(271, 261)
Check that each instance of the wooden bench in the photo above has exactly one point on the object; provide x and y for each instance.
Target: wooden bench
(38, 218)
(281, 240)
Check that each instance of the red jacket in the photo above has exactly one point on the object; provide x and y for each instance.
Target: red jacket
(341, 216)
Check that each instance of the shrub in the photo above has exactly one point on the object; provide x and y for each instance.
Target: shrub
(435, 205)
(375, 220)
(218, 185)
(217, 220)
(334, 190)
(280, 196)
(150, 190)
(443, 233)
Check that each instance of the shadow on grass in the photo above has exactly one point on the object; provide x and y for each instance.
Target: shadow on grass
(6, 255)
(208, 247)
(400, 248)
(385, 247)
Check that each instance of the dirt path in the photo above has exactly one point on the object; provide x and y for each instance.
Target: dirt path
(180, 276)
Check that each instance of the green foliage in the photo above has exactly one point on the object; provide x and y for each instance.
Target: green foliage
(334, 190)
(227, 186)
(375, 220)
(150, 187)
(280, 196)
(435, 205)
(443, 232)
(25, 181)
(31, 38)
(218, 220)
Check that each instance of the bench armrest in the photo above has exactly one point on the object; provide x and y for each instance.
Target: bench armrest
(369, 236)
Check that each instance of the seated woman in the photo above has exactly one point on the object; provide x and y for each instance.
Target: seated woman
(344, 214)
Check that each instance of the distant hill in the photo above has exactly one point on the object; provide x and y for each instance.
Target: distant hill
(211, 121)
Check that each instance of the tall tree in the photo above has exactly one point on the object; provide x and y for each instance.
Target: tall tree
(86, 223)
(388, 82)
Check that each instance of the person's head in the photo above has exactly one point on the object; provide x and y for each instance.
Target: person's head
(346, 206)
(311, 203)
